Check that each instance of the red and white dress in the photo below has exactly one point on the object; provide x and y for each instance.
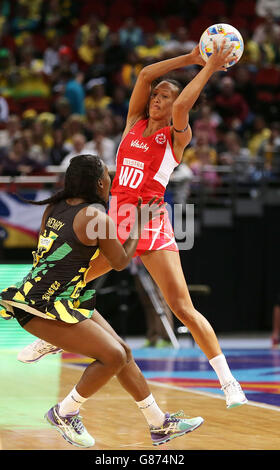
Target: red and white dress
(143, 168)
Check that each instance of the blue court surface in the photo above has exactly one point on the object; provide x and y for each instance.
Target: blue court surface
(257, 370)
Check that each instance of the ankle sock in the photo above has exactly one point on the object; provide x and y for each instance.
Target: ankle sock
(151, 411)
(220, 366)
(71, 404)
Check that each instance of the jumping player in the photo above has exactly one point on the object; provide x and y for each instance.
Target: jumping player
(52, 301)
(156, 134)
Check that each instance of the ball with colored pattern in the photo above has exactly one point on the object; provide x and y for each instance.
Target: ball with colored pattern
(217, 33)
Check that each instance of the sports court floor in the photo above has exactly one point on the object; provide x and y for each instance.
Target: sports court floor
(179, 379)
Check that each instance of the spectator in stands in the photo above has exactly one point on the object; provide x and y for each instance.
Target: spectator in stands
(7, 68)
(40, 142)
(200, 156)
(22, 20)
(258, 134)
(59, 150)
(131, 35)
(29, 79)
(263, 32)
(114, 54)
(150, 50)
(62, 111)
(17, 162)
(119, 103)
(67, 61)
(88, 49)
(263, 7)
(93, 26)
(119, 125)
(102, 146)
(74, 125)
(74, 92)
(98, 68)
(238, 157)
(35, 151)
(130, 70)
(181, 44)
(11, 132)
(51, 53)
(179, 184)
(163, 34)
(221, 131)
(79, 147)
(252, 53)
(231, 105)
(96, 95)
(53, 15)
(207, 121)
(244, 84)
(269, 151)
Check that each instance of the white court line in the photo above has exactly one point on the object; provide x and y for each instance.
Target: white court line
(192, 390)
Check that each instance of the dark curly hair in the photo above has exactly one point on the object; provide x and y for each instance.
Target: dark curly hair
(80, 181)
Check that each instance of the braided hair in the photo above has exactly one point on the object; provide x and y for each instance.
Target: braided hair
(80, 181)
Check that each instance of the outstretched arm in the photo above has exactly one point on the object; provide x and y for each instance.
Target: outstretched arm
(187, 98)
(142, 89)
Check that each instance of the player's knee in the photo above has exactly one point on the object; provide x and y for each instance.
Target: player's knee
(128, 351)
(118, 358)
(185, 312)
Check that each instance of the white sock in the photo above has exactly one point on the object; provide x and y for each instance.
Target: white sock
(220, 366)
(151, 411)
(72, 403)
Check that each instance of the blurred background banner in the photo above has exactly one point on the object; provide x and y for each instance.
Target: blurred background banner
(20, 221)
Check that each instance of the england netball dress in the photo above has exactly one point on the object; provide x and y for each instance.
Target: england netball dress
(143, 169)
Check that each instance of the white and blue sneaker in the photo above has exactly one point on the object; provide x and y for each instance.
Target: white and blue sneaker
(70, 427)
(234, 394)
(37, 350)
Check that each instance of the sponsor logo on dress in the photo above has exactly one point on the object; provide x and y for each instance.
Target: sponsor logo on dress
(139, 145)
(135, 163)
(160, 138)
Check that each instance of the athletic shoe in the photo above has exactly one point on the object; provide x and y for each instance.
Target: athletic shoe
(36, 351)
(71, 427)
(234, 394)
(173, 427)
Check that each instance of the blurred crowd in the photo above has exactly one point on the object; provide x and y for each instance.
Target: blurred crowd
(67, 70)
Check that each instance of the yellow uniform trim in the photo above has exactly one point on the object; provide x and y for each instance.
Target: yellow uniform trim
(19, 297)
(27, 286)
(63, 314)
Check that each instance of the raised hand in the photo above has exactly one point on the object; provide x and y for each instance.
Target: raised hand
(149, 211)
(220, 56)
(197, 59)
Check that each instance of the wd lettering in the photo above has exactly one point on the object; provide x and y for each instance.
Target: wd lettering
(130, 177)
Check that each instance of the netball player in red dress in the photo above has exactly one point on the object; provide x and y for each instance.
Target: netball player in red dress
(151, 147)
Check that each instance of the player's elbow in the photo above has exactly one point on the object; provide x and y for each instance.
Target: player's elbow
(145, 74)
(181, 106)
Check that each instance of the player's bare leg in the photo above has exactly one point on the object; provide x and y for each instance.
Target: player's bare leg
(166, 270)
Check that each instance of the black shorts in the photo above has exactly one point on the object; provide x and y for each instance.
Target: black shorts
(21, 316)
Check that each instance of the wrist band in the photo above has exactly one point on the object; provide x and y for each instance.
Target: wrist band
(183, 130)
